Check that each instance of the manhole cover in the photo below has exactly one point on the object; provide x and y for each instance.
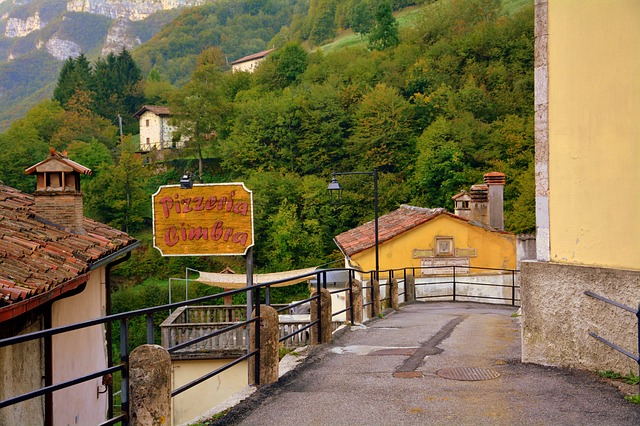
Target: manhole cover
(466, 373)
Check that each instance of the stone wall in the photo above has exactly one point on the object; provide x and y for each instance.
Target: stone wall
(557, 316)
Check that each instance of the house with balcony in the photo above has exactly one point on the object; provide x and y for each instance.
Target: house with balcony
(156, 132)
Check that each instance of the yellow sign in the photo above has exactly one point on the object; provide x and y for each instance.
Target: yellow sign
(208, 219)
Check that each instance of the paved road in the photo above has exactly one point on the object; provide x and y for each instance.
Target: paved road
(405, 369)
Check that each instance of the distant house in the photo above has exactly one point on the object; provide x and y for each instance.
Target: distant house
(54, 267)
(155, 130)
(251, 62)
(428, 238)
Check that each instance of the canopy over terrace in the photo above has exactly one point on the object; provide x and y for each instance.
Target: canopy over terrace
(234, 281)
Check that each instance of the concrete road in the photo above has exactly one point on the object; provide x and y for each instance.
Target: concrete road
(433, 364)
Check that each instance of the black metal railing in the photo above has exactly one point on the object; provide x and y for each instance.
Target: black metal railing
(636, 312)
(124, 319)
(254, 293)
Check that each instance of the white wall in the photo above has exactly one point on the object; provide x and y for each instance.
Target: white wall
(78, 353)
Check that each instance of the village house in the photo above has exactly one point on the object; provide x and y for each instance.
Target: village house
(430, 239)
(155, 131)
(55, 270)
(250, 63)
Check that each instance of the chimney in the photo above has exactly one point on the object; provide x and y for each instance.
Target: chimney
(462, 204)
(495, 181)
(58, 199)
(479, 204)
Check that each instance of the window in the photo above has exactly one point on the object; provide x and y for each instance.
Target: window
(147, 122)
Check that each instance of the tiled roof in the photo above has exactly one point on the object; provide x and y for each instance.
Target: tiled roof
(60, 158)
(36, 257)
(392, 224)
(252, 57)
(389, 225)
(156, 109)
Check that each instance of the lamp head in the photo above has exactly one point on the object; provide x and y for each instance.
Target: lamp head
(186, 182)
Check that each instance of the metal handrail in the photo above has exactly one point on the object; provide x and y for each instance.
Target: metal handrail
(148, 312)
(623, 351)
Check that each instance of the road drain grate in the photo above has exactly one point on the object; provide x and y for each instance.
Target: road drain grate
(468, 374)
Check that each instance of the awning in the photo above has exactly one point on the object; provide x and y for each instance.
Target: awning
(233, 281)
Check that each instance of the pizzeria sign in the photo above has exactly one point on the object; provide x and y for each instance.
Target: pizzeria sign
(208, 219)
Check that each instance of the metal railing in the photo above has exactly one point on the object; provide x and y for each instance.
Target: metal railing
(254, 293)
(636, 312)
(257, 291)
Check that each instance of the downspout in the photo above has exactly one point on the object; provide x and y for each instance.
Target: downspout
(107, 278)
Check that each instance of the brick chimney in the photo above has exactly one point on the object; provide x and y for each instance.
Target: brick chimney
(479, 204)
(58, 198)
(495, 181)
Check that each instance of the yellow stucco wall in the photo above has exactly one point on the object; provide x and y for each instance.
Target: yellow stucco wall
(200, 399)
(493, 249)
(594, 132)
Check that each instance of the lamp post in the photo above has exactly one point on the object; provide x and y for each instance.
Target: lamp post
(335, 186)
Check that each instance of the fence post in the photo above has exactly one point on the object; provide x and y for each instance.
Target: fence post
(150, 386)
(394, 294)
(513, 288)
(355, 303)
(322, 332)
(124, 359)
(454, 283)
(375, 291)
(150, 329)
(264, 336)
(410, 289)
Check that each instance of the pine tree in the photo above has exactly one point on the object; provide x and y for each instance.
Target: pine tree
(384, 33)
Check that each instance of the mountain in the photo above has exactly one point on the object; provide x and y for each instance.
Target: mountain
(37, 36)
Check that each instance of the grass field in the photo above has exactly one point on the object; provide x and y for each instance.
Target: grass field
(406, 18)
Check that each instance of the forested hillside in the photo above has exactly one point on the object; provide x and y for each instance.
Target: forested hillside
(432, 106)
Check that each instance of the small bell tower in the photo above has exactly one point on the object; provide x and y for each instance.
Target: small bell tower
(58, 199)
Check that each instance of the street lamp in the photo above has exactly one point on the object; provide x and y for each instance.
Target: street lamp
(335, 186)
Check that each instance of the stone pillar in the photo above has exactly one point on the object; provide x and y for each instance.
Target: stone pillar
(394, 293)
(326, 333)
(375, 290)
(410, 289)
(355, 314)
(268, 345)
(150, 386)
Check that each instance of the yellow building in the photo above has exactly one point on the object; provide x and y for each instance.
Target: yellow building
(587, 98)
(430, 240)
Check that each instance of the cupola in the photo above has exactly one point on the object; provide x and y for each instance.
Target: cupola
(58, 199)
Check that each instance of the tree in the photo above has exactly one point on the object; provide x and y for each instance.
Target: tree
(79, 123)
(200, 110)
(384, 32)
(382, 135)
(361, 16)
(117, 89)
(75, 75)
(118, 196)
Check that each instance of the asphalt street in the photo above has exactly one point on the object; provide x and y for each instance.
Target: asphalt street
(433, 364)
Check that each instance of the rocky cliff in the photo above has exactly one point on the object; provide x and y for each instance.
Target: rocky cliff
(132, 10)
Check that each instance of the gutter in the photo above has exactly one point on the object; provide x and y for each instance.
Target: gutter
(17, 309)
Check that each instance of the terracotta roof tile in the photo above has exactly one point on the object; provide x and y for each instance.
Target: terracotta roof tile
(156, 109)
(36, 257)
(390, 225)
